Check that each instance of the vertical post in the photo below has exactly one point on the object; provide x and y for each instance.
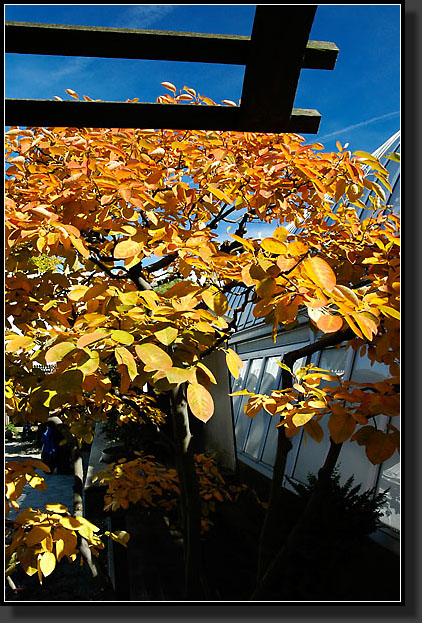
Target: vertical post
(278, 45)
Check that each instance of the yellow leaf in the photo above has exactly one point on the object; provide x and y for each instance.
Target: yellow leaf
(89, 338)
(234, 362)
(200, 401)
(178, 375)
(274, 245)
(207, 372)
(390, 311)
(77, 293)
(329, 324)
(47, 563)
(302, 417)
(314, 430)
(266, 287)
(120, 536)
(36, 535)
(125, 357)
(216, 300)
(89, 362)
(219, 193)
(341, 426)
(58, 352)
(122, 337)
(154, 357)
(167, 335)
(280, 233)
(19, 342)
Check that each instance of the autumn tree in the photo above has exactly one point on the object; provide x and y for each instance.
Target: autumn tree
(119, 208)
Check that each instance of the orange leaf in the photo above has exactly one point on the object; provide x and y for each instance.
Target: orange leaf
(320, 272)
(126, 248)
(341, 426)
(200, 401)
(329, 324)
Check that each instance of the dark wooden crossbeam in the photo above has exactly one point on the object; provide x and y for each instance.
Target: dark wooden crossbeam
(158, 45)
(274, 55)
(49, 113)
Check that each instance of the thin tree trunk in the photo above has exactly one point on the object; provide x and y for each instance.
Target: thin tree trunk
(281, 571)
(271, 537)
(97, 569)
(189, 493)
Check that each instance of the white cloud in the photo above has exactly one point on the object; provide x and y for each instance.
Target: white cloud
(69, 67)
(359, 125)
(143, 15)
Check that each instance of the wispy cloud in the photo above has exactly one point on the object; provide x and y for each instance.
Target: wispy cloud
(69, 67)
(143, 15)
(359, 125)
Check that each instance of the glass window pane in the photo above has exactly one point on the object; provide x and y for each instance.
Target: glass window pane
(237, 385)
(259, 423)
(394, 200)
(243, 420)
(389, 478)
(353, 460)
(363, 372)
(270, 449)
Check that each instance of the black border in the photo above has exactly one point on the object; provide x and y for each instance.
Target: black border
(410, 609)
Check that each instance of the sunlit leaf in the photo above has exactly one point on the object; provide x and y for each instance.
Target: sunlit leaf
(320, 272)
(200, 401)
(154, 357)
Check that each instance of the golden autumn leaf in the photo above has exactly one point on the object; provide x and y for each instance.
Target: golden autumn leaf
(122, 337)
(216, 300)
(19, 342)
(320, 272)
(90, 338)
(233, 362)
(127, 249)
(302, 417)
(274, 245)
(200, 401)
(217, 192)
(341, 426)
(47, 563)
(57, 352)
(266, 287)
(167, 335)
(154, 357)
(125, 357)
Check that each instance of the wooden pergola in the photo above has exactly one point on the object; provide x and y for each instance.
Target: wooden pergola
(274, 54)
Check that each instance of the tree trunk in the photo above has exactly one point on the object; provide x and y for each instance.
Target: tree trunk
(272, 537)
(98, 571)
(281, 575)
(189, 494)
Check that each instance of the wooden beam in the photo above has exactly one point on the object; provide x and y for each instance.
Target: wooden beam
(48, 113)
(90, 41)
(278, 45)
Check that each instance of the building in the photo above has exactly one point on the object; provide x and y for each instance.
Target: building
(254, 440)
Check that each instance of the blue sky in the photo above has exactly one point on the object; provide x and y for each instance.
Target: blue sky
(359, 100)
